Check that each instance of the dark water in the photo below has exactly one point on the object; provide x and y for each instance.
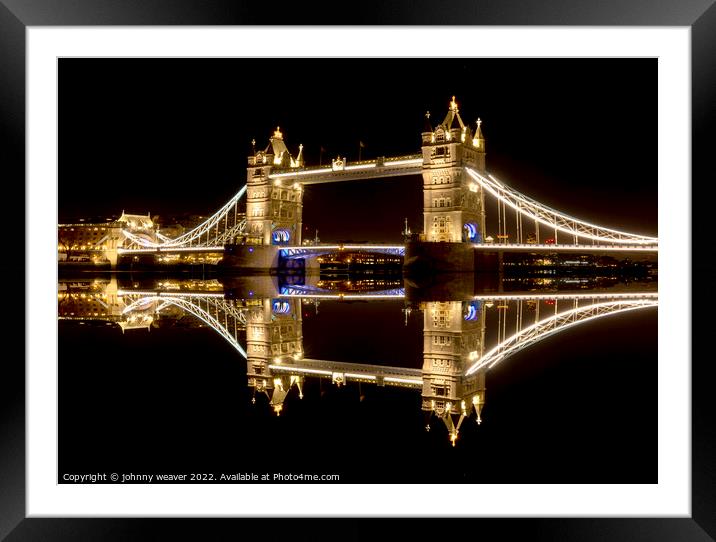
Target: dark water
(148, 387)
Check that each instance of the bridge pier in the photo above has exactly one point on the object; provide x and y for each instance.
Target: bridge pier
(426, 258)
(250, 258)
(113, 256)
(264, 259)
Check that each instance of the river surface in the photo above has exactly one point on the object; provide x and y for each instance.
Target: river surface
(373, 379)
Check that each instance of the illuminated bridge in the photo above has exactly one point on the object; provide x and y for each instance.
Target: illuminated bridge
(266, 213)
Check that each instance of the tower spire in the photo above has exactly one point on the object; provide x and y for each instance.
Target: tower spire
(427, 126)
(478, 404)
(478, 140)
(452, 114)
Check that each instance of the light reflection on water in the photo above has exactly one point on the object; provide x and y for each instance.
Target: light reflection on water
(438, 342)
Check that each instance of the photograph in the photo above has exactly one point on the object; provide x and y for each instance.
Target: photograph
(303, 265)
(358, 270)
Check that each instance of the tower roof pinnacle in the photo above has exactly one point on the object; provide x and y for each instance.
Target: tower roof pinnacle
(452, 114)
(281, 155)
(427, 127)
(298, 162)
(478, 131)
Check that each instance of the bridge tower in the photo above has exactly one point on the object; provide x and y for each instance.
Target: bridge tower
(453, 204)
(273, 208)
(453, 337)
(274, 331)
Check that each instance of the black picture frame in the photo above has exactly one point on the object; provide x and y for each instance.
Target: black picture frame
(699, 15)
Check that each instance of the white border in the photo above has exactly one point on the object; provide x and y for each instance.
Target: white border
(670, 497)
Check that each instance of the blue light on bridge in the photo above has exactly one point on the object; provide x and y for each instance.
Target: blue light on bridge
(472, 311)
(280, 236)
(280, 307)
(472, 233)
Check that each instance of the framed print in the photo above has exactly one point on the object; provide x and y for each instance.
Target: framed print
(359, 271)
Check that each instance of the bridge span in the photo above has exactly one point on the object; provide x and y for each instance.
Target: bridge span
(266, 213)
(341, 170)
(342, 372)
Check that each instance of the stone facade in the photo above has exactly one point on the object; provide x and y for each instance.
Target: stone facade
(273, 331)
(453, 338)
(453, 204)
(274, 208)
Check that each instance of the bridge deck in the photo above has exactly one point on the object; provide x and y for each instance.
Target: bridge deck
(299, 250)
(367, 169)
(399, 376)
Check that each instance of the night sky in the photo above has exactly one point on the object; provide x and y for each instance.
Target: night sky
(171, 136)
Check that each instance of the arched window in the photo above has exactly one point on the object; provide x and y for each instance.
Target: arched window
(280, 236)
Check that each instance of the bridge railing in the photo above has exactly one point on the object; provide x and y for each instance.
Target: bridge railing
(379, 161)
(400, 158)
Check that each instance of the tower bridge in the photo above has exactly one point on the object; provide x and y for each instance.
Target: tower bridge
(456, 187)
(462, 340)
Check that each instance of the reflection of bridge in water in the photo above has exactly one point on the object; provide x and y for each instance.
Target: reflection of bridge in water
(462, 340)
